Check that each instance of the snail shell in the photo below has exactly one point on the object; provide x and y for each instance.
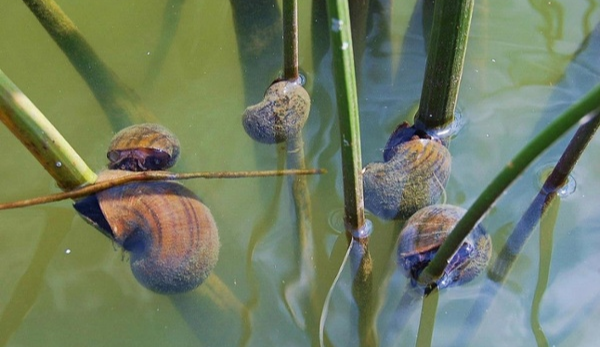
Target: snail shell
(403, 133)
(415, 176)
(143, 147)
(280, 116)
(424, 233)
(170, 234)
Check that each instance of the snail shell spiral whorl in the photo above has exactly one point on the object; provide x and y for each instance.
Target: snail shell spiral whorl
(423, 234)
(280, 115)
(170, 234)
(142, 147)
(415, 176)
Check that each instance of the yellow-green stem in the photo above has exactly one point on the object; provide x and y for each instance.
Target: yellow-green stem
(41, 138)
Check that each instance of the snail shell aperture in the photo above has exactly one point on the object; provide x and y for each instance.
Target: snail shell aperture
(280, 116)
(423, 234)
(170, 234)
(142, 147)
(414, 176)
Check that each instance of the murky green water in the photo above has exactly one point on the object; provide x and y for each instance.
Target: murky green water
(64, 284)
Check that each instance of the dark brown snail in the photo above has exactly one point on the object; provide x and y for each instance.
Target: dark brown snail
(143, 147)
(280, 116)
(170, 234)
(424, 233)
(414, 175)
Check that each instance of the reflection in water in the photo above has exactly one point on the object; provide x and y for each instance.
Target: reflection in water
(29, 286)
(170, 23)
(553, 14)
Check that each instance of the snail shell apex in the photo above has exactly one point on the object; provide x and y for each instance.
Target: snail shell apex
(423, 234)
(170, 234)
(403, 133)
(414, 177)
(280, 115)
(142, 147)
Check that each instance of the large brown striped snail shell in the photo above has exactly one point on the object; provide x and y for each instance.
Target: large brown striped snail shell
(414, 176)
(280, 115)
(142, 147)
(423, 234)
(170, 234)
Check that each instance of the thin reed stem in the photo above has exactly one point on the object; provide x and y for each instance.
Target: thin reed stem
(143, 176)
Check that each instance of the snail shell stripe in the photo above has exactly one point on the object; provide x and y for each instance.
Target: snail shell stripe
(414, 177)
(170, 234)
(146, 139)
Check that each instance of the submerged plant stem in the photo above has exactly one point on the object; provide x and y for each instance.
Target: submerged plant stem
(119, 102)
(41, 138)
(445, 58)
(427, 321)
(547, 225)
(362, 291)
(588, 105)
(304, 285)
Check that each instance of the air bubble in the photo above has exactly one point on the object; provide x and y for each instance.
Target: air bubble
(452, 129)
(567, 189)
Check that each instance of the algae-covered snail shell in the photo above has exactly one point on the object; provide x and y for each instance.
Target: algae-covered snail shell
(423, 234)
(414, 175)
(280, 115)
(142, 147)
(170, 234)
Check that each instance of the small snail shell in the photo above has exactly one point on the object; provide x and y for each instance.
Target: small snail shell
(170, 234)
(280, 116)
(423, 234)
(143, 147)
(415, 176)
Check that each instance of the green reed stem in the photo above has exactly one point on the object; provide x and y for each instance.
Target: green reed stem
(119, 102)
(347, 104)
(558, 177)
(41, 138)
(522, 231)
(586, 105)
(290, 40)
(445, 58)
